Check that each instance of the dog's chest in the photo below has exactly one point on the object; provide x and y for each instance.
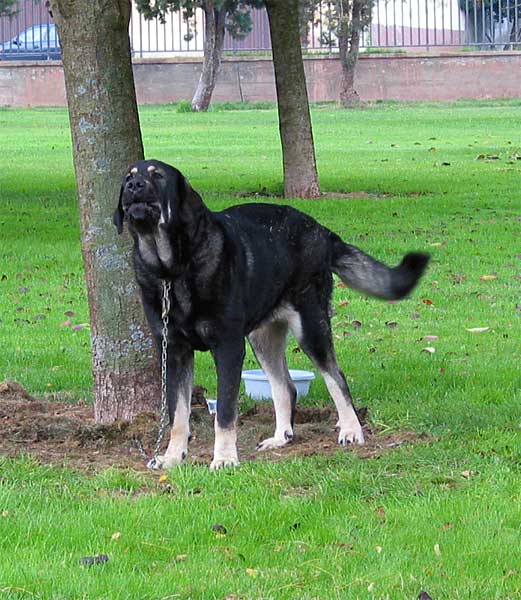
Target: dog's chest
(155, 249)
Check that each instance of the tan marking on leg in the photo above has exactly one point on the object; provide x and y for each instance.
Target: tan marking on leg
(225, 449)
(283, 431)
(350, 428)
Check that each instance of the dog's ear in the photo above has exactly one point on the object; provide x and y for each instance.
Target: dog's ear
(192, 205)
(119, 215)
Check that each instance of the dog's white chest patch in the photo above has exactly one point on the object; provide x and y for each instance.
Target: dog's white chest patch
(147, 250)
(155, 248)
(164, 249)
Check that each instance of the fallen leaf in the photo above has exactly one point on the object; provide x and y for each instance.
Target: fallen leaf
(477, 329)
(458, 277)
(430, 337)
(467, 474)
(488, 277)
(219, 529)
(429, 350)
(356, 324)
(447, 526)
(163, 478)
(252, 572)
(94, 560)
(343, 303)
(341, 284)
(181, 557)
(427, 301)
(437, 550)
(66, 323)
(370, 587)
(379, 549)
(391, 324)
(69, 313)
(424, 596)
(116, 535)
(5, 514)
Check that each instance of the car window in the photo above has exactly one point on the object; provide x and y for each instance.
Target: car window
(53, 38)
(30, 38)
(36, 37)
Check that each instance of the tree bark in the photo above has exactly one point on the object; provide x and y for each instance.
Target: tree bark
(214, 25)
(349, 46)
(106, 140)
(298, 152)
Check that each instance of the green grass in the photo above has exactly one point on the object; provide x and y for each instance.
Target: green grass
(443, 516)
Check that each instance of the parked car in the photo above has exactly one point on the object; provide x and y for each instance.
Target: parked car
(39, 42)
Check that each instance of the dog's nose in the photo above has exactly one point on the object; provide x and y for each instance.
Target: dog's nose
(135, 187)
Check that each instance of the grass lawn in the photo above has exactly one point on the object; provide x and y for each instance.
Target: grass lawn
(443, 515)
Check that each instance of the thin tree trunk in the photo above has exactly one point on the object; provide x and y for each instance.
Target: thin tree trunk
(349, 46)
(300, 171)
(106, 140)
(213, 50)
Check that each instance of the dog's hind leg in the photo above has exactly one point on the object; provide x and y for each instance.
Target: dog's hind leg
(315, 338)
(179, 394)
(268, 343)
(228, 357)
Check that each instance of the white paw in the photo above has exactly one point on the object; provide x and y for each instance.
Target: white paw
(351, 435)
(169, 460)
(221, 463)
(277, 441)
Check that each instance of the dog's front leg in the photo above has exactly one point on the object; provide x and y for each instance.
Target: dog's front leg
(228, 361)
(180, 368)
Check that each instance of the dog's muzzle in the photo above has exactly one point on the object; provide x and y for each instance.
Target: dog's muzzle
(137, 200)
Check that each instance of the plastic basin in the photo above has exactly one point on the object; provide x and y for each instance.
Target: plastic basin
(258, 387)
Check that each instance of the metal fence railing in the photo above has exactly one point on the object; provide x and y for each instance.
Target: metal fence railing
(395, 24)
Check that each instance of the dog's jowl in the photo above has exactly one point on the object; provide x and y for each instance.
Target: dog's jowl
(255, 271)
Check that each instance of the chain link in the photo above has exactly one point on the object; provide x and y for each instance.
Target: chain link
(153, 463)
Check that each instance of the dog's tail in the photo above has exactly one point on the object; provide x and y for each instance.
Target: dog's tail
(365, 274)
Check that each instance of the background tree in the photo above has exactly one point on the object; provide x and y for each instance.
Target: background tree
(220, 16)
(353, 17)
(106, 140)
(300, 171)
(344, 22)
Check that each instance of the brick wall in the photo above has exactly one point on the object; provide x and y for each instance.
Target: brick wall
(379, 77)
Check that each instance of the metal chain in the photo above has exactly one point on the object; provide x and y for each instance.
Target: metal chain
(153, 463)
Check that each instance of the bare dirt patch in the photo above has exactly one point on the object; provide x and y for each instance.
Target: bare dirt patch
(65, 434)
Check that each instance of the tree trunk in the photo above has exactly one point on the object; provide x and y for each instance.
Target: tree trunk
(106, 140)
(214, 22)
(349, 44)
(298, 152)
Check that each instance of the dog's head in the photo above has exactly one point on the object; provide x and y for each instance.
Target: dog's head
(154, 193)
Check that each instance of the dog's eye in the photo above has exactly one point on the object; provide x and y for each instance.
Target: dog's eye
(158, 175)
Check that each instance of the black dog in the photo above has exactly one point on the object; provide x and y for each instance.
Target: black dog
(249, 271)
